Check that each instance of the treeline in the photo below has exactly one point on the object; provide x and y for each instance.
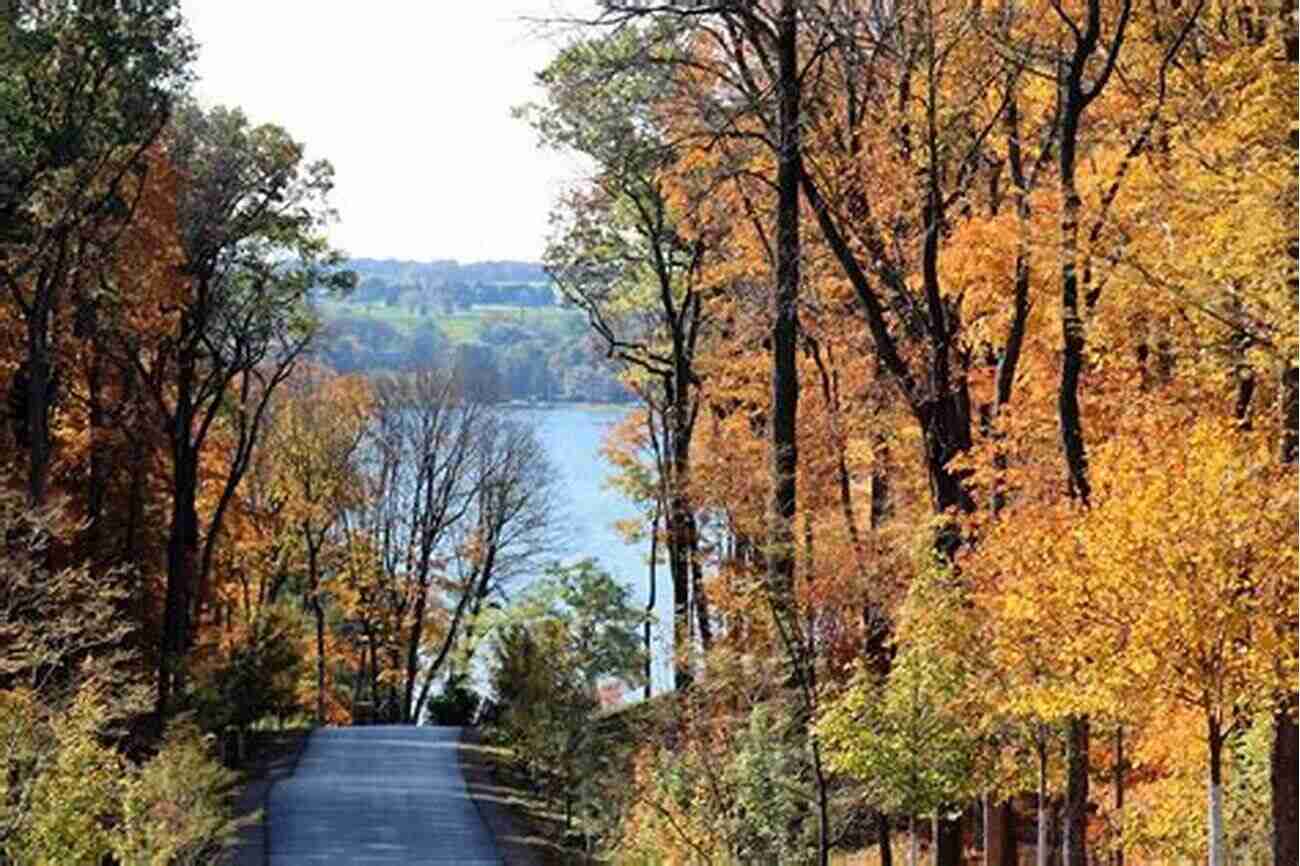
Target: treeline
(499, 355)
(202, 529)
(966, 336)
(447, 286)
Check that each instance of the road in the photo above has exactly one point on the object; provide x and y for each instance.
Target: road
(377, 796)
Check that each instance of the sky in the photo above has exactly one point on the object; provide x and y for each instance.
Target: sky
(410, 100)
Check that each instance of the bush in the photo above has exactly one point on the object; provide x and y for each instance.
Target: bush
(455, 706)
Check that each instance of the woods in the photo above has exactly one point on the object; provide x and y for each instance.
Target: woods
(962, 339)
(206, 528)
(989, 446)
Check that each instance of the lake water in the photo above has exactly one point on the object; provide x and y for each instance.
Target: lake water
(573, 437)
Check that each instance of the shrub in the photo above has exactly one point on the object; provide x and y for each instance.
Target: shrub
(456, 705)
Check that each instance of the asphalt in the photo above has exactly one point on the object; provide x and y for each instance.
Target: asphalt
(377, 796)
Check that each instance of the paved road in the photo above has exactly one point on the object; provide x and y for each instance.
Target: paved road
(378, 796)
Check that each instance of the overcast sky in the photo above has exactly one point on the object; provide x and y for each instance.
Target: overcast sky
(410, 100)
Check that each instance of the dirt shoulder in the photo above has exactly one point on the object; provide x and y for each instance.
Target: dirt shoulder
(273, 756)
(526, 831)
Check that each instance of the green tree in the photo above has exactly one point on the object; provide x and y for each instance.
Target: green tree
(576, 628)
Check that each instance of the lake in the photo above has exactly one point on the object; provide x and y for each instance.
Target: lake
(573, 437)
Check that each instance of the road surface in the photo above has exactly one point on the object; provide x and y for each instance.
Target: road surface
(378, 796)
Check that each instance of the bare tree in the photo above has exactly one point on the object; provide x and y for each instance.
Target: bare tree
(510, 531)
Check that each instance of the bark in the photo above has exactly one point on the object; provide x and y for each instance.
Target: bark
(999, 833)
(1076, 792)
(947, 841)
(318, 612)
(1284, 770)
(1044, 807)
(913, 843)
(1117, 787)
(883, 839)
(1215, 793)
(652, 598)
(1072, 338)
(35, 378)
(785, 382)
(182, 544)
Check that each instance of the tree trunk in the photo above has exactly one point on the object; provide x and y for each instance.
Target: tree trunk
(319, 613)
(39, 393)
(1215, 793)
(1117, 786)
(883, 839)
(651, 599)
(947, 841)
(785, 382)
(413, 653)
(1076, 792)
(913, 843)
(1044, 807)
(1284, 768)
(679, 533)
(999, 833)
(182, 542)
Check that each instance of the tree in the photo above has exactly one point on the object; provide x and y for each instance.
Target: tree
(315, 439)
(250, 216)
(86, 90)
(624, 255)
(574, 629)
(510, 529)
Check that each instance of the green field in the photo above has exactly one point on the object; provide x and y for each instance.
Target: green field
(460, 327)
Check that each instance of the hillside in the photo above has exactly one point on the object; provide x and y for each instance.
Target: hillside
(498, 323)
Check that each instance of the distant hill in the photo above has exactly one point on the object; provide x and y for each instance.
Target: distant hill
(498, 324)
(452, 286)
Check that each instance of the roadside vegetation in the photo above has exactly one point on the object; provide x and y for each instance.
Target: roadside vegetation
(965, 338)
(207, 531)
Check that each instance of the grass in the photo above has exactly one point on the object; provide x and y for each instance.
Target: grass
(537, 833)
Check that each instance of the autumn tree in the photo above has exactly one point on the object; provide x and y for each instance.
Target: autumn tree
(315, 439)
(86, 90)
(250, 217)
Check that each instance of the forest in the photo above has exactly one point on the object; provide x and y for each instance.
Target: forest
(206, 529)
(963, 344)
(965, 337)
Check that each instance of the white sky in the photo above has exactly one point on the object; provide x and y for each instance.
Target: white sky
(410, 100)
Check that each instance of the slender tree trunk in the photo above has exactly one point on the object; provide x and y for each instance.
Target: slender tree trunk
(413, 655)
(182, 542)
(1117, 784)
(1215, 793)
(39, 391)
(679, 531)
(913, 843)
(1284, 768)
(1044, 807)
(947, 840)
(318, 612)
(651, 599)
(97, 481)
(999, 833)
(1076, 792)
(883, 839)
